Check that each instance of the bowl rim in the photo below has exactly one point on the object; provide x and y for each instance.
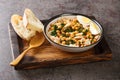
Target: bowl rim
(73, 14)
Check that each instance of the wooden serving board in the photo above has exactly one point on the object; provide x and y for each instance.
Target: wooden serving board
(49, 56)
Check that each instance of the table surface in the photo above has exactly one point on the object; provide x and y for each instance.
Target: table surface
(107, 12)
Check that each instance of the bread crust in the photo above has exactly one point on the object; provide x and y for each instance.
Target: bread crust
(23, 32)
(26, 26)
(31, 21)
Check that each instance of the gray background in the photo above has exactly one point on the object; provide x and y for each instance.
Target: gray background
(107, 12)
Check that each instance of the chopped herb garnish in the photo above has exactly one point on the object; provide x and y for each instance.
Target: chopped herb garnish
(59, 28)
(80, 29)
(64, 35)
(67, 42)
(72, 42)
(62, 24)
(85, 32)
(55, 27)
(53, 33)
(69, 29)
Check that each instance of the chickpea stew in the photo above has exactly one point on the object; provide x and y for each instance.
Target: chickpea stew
(72, 33)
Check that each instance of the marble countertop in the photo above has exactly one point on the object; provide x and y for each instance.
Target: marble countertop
(107, 12)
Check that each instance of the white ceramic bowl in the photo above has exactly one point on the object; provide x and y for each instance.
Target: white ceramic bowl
(68, 48)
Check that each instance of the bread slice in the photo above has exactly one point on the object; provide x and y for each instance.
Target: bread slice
(20, 29)
(31, 21)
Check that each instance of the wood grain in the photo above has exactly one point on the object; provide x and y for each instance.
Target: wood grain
(49, 56)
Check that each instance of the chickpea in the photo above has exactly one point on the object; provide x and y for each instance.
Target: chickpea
(77, 45)
(63, 38)
(77, 42)
(72, 27)
(72, 23)
(59, 27)
(63, 42)
(94, 40)
(91, 36)
(72, 35)
(74, 39)
(82, 45)
(76, 27)
(78, 24)
(97, 37)
(59, 42)
(58, 34)
(63, 32)
(76, 32)
(57, 31)
(67, 33)
(67, 39)
(85, 37)
(52, 28)
(74, 20)
(90, 39)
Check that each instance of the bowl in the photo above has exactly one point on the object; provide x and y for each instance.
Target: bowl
(71, 48)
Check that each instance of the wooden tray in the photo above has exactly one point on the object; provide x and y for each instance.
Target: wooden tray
(49, 56)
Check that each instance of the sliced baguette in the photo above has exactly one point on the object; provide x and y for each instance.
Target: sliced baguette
(31, 21)
(20, 29)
